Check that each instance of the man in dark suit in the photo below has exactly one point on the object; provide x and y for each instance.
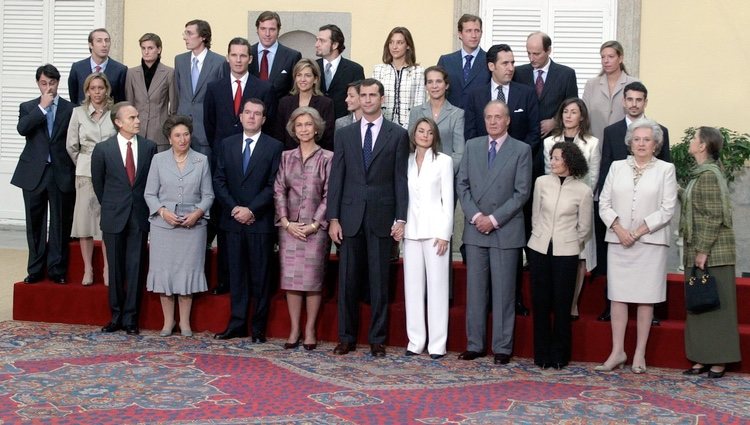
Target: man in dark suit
(119, 169)
(466, 67)
(337, 71)
(46, 175)
(551, 81)
(634, 101)
(493, 184)
(274, 61)
(367, 202)
(99, 61)
(246, 166)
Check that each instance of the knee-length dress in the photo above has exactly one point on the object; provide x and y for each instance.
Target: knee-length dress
(300, 195)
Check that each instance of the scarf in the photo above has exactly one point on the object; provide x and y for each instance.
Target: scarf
(686, 218)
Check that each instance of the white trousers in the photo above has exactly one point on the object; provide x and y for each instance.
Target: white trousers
(425, 271)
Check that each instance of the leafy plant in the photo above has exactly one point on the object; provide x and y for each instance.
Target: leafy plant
(734, 154)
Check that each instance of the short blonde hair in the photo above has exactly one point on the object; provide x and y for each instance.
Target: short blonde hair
(307, 63)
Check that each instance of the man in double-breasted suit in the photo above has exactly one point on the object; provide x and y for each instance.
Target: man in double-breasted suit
(272, 61)
(493, 183)
(246, 166)
(46, 175)
(193, 71)
(119, 169)
(99, 61)
(337, 71)
(367, 204)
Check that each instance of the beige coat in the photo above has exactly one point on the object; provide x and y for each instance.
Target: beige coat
(154, 105)
(84, 133)
(605, 108)
(590, 149)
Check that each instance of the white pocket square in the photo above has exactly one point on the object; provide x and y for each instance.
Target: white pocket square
(518, 110)
(283, 71)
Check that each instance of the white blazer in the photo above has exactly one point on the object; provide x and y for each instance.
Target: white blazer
(430, 212)
(651, 201)
(591, 151)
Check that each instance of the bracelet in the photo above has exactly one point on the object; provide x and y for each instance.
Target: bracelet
(287, 224)
(314, 226)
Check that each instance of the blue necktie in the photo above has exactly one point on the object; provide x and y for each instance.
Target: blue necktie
(467, 66)
(50, 118)
(367, 146)
(246, 155)
(491, 154)
(194, 74)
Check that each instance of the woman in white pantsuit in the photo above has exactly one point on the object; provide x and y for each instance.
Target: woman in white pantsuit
(429, 226)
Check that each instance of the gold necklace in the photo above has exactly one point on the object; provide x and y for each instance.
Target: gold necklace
(179, 161)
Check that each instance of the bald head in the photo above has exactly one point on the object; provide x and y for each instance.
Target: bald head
(538, 48)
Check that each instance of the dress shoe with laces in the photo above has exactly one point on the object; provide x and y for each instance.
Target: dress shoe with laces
(32, 278)
(230, 334)
(132, 330)
(501, 358)
(111, 327)
(344, 348)
(377, 350)
(470, 355)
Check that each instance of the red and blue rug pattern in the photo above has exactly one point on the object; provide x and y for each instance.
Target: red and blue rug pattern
(71, 374)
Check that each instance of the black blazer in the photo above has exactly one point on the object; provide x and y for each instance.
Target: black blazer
(32, 124)
(253, 190)
(115, 72)
(288, 104)
(118, 199)
(560, 84)
(347, 72)
(281, 77)
(381, 193)
(219, 119)
(458, 92)
(615, 149)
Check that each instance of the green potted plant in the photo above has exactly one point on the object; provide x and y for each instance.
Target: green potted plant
(734, 154)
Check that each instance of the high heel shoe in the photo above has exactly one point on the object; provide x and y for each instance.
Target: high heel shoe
(291, 345)
(88, 277)
(168, 332)
(607, 368)
(310, 347)
(638, 369)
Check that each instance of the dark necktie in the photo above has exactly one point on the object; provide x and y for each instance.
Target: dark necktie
(246, 155)
(491, 154)
(500, 94)
(98, 68)
(367, 146)
(467, 66)
(237, 98)
(130, 164)
(264, 66)
(539, 83)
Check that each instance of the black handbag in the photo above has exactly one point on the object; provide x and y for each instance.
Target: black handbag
(701, 294)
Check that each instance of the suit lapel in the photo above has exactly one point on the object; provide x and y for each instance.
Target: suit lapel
(503, 155)
(143, 158)
(255, 157)
(62, 109)
(475, 66)
(160, 77)
(384, 137)
(513, 97)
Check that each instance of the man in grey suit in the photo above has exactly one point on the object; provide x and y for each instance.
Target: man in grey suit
(367, 201)
(193, 70)
(493, 183)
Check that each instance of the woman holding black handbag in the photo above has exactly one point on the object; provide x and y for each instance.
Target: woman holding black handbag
(711, 338)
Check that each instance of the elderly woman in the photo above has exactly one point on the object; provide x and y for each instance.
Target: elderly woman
(429, 226)
(89, 125)
(300, 195)
(560, 226)
(636, 205)
(179, 195)
(305, 92)
(711, 338)
(572, 125)
(449, 119)
(402, 77)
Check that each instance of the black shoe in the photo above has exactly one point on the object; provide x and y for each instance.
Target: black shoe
(655, 321)
(230, 334)
(292, 345)
(559, 366)
(437, 356)
(501, 358)
(696, 370)
(344, 348)
(377, 350)
(470, 355)
(219, 290)
(605, 316)
(574, 317)
(259, 338)
(716, 375)
(60, 279)
(32, 278)
(521, 309)
(111, 327)
(410, 353)
(132, 330)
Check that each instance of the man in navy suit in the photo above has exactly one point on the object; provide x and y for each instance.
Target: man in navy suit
(466, 67)
(99, 61)
(367, 201)
(246, 166)
(119, 169)
(337, 71)
(45, 173)
(273, 61)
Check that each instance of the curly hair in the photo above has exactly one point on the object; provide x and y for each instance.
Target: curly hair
(573, 158)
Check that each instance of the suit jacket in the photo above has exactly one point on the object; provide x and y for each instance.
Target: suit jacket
(604, 109)
(154, 105)
(280, 76)
(653, 203)
(459, 90)
(113, 190)
(344, 121)
(500, 191)
(288, 104)
(450, 124)
(380, 193)
(347, 72)
(191, 103)
(84, 134)
(430, 212)
(115, 72)
(590, 149)
(253, 190)
(410, 91)
(614, 149)
(560, 84)
(168, 186)
(218, 106)
(32, 124)
(561, 214)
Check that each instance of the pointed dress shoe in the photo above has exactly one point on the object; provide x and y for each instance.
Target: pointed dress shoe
(292, 345)
(377, 350)
(470, 355)
(32, 278)
(501, 358)
(111, 327)
(344, 348)
(230, 334)
(132, 330)
(59, 279)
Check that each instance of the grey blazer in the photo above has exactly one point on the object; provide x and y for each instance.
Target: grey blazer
(500, 191)
(155, 104)
(450, 124)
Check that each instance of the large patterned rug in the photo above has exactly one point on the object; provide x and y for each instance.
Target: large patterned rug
(66, 374)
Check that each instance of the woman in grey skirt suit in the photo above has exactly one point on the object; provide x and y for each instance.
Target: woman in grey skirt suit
(178, 194)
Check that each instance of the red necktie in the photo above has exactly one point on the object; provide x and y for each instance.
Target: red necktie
(237, 97)
(98, 68)
(539, 84)
(264, 66)
(130, 164)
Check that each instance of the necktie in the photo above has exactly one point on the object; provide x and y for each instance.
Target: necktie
(194, 74)
(246, 155)
(329, 76)
(539, 84)
(264, 66)
(237, 97)
(491, 154)
(367, 146)
(130, 164)
(98, 68)
(467, 66)
(500, 94)
(50, 118)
